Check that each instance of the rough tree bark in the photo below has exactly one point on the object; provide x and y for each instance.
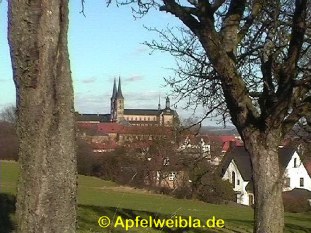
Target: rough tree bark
(269, 210)
(46, 197)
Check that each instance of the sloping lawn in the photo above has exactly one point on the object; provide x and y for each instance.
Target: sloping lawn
(98, 198)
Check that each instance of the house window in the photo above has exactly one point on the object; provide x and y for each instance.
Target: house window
(301, 182)
(233, 178)
(166, 161)
(238, 182)
(172, 176)
(295, 162)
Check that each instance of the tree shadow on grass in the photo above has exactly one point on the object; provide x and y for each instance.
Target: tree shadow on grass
(89, 214)
(7, 208)
(289, 227)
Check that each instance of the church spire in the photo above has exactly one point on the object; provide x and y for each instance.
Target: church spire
(119, 93)
(114, 90)
(159, 104)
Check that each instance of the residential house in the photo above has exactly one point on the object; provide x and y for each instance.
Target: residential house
(236, 168)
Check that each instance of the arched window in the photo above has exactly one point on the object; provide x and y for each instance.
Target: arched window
(295, 162)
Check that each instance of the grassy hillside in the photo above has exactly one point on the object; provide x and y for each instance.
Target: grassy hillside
(102, 198)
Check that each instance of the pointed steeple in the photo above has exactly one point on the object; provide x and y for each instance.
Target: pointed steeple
(114, 90)
(119, 93)
(159, 104)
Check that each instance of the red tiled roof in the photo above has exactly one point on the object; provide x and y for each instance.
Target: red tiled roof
(110, 127)
(225, 140)
(221, 138)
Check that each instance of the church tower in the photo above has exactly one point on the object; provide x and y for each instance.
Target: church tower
(113, 112)
(159, 104)
(167, 103)
(119, 103)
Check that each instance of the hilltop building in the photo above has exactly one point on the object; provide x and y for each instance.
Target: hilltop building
(141, 117)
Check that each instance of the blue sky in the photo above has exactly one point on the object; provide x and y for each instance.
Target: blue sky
(105, 44)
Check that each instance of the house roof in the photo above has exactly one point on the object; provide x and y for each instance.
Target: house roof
(285, 155)
(226, 140)
(307, 164)
(146, 112)
(93, 117)
(298, 193)
(242, 159)
(110, 127)
(113, 127)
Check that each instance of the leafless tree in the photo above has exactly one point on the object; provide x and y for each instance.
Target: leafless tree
(46, 197)
(8, 114)
(247, 60)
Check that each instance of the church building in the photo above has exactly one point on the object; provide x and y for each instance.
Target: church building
(137, 116)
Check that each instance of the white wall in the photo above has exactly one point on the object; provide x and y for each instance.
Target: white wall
(295, 173)
(240, 184)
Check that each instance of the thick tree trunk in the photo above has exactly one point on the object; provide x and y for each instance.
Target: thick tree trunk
(269, 210)
(46, 198)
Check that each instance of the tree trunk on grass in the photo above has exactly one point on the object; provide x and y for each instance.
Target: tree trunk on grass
(46, 197)
(268, 182)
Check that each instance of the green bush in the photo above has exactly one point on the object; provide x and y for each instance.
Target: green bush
(183, 192)
(216, 191)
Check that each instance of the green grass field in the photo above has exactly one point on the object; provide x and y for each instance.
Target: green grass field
(103, 198)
